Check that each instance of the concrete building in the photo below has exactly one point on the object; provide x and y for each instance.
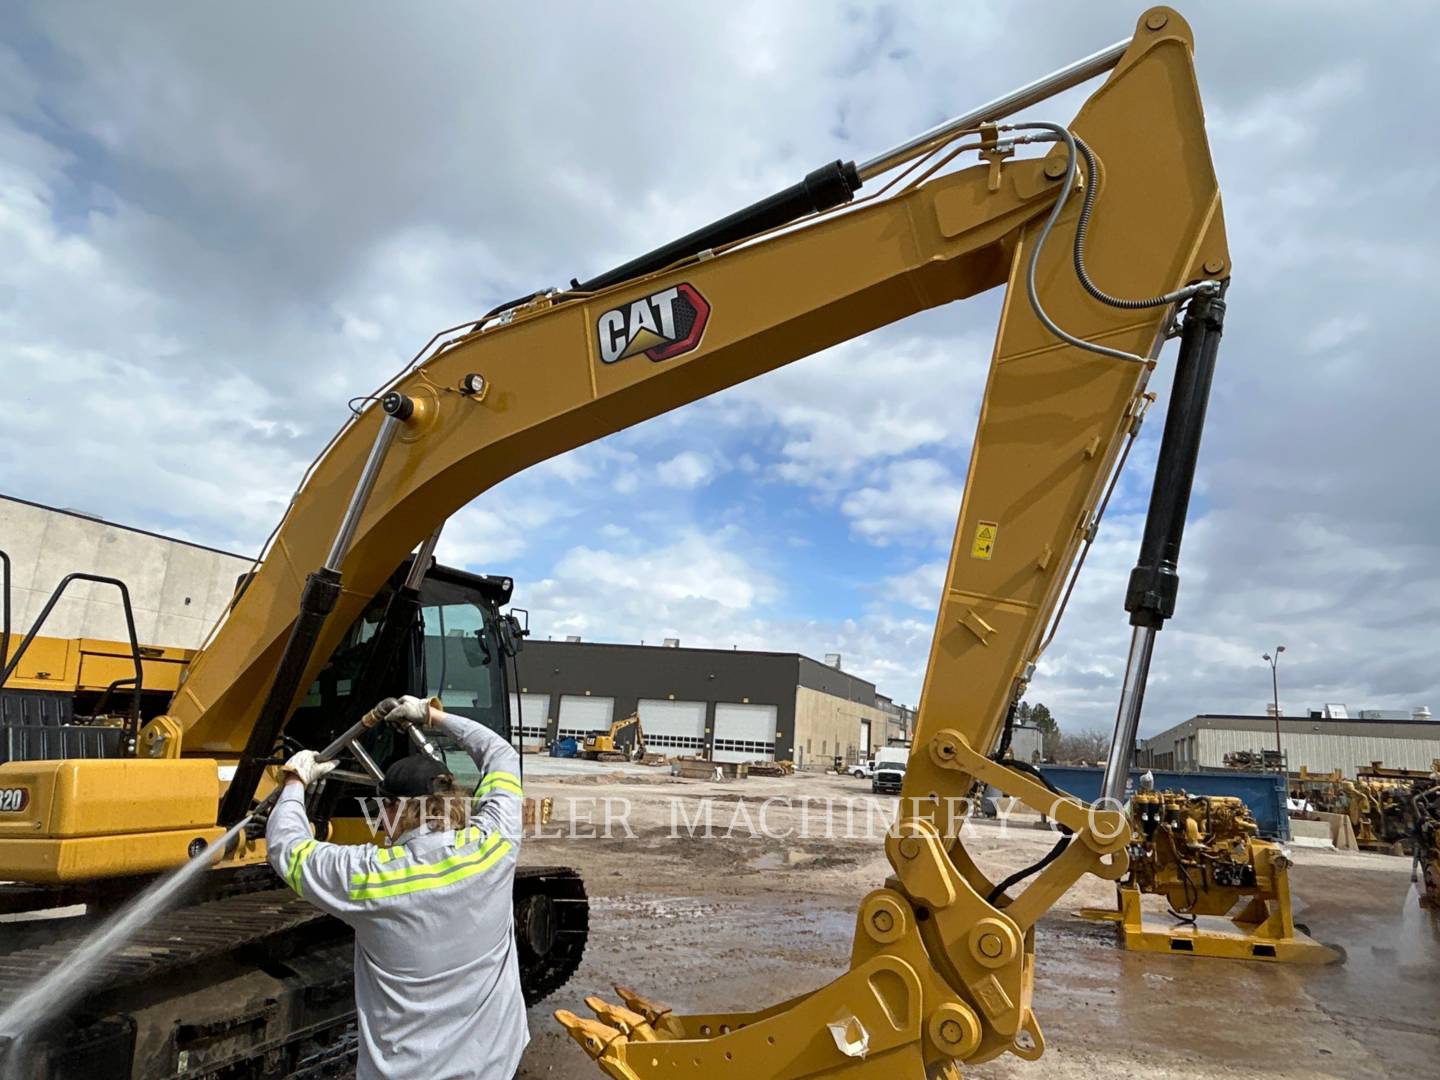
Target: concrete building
(177, 589)
(727, 704)
(899, 721)
(1318, 742)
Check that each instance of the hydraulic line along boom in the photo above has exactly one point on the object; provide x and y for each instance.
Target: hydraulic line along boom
(836, 183)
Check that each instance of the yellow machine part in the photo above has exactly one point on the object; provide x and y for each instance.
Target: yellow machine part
(75, 820)
(77, 665)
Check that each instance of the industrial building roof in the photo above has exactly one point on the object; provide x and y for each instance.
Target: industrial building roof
(1400, 729)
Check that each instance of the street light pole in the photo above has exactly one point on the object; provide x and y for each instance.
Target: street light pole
(1274, 660)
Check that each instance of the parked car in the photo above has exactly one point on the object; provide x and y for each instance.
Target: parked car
(889, 775)
(889, 771)
(862, 769)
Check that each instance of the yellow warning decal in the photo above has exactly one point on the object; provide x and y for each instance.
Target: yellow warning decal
(985, 532)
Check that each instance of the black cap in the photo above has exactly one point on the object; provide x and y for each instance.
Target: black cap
(416, 775)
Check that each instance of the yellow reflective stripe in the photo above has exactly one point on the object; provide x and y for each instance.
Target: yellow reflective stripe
(298, 854)
(468, 867)
(385, 854)
(493, 779)
(499, 781)
(380, 877)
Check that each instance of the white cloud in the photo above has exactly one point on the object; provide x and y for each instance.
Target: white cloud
(686, 469)
(916, 501)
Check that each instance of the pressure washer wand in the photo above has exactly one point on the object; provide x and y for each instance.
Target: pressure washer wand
(349, 739)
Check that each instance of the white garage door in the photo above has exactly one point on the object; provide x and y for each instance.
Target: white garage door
(676, 728)
(582, 716)
(745, 732)
(532, 711)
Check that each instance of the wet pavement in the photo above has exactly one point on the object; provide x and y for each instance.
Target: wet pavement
(738, 926)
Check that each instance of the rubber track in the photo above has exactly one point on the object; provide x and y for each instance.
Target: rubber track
(184, 937)
(207, 930)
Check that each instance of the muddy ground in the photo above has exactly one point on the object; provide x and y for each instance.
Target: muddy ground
(720, 923)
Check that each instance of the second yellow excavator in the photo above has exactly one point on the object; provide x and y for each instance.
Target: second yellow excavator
(605, 747)
(1109, 242)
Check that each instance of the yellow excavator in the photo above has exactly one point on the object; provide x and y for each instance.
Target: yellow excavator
(604, 747)
(1108, 236)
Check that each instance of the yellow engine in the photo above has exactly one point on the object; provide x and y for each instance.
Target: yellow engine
(1196, 851)
(1228, 891)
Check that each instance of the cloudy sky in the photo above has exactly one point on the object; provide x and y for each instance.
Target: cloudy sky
(220, 222)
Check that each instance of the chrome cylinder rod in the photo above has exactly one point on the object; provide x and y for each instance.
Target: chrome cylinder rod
(397, 408)
(420, 565)
(1006, 105)
(1127, 719)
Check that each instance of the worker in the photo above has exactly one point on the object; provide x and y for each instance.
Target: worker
(437, 980)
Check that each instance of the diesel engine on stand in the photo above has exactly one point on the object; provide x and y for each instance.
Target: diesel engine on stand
(1202, 853)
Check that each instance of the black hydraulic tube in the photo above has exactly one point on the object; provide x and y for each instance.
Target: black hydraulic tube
(317, 600)
(1155, 581)
(826, 187)
(4, 610)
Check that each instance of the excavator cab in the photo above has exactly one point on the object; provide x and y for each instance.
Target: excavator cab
(450, 641)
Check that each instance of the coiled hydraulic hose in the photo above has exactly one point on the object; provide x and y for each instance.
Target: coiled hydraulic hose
(1075, 149)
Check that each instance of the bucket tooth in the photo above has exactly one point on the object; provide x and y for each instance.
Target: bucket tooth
(628, 1021)
(653, 1011)
(593, 1036)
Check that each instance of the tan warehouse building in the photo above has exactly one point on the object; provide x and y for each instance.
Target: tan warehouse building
(1317, 742)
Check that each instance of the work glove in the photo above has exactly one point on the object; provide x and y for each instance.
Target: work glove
(306, 765)
(411, 710)
(379, 712)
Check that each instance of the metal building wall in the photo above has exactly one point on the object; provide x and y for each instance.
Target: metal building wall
(1320, 751)
(177, 589)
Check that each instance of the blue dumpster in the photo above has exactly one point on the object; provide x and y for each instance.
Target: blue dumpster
(1263, 793)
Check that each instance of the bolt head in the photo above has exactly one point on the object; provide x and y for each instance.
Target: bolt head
(1055, 168)
(883, 921)
(951, 1032)
(910, 847)
(1156, 20)
(1214, 266)
(991, 945)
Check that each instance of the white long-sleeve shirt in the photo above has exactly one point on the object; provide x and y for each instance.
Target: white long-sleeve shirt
(437, 980)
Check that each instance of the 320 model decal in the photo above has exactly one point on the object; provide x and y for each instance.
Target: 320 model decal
(13, 800)
(661, 325)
